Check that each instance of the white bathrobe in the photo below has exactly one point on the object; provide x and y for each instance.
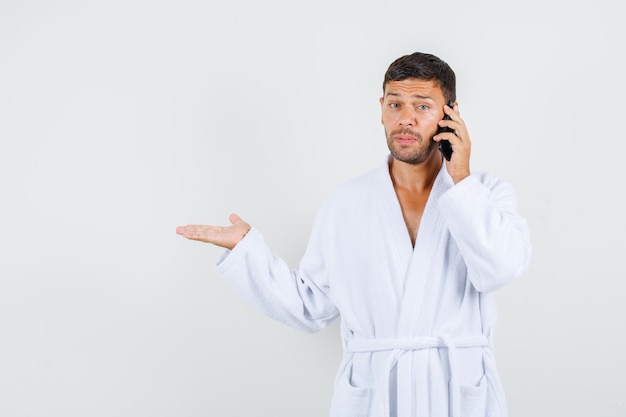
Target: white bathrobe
(416, 322)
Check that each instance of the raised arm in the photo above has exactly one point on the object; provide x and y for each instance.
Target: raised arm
(481, 214)
(290, 296)
(224, 236)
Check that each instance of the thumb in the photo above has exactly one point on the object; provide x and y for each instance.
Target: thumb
(234, 219)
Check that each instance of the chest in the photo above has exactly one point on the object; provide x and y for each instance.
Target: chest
(412, 205)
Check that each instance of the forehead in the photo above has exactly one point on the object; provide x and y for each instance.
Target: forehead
(413, 87)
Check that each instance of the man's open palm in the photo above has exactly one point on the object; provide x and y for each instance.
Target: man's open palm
(224, 236)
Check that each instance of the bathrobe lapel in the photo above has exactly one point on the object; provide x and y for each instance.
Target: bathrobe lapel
(396, 232)
(414, 261)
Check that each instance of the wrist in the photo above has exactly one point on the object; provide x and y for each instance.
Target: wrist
(457, 178)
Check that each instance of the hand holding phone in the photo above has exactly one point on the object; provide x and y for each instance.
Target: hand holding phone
(444, 145)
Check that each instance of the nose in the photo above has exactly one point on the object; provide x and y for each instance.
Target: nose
(407, 117)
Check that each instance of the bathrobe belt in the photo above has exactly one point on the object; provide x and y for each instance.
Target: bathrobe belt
(399, 347)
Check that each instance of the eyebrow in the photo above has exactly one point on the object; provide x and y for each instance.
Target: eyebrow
(419, 96)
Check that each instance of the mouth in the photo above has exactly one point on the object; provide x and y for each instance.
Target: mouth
(405, 139)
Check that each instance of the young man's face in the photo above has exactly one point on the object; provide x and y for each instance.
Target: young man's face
(411, 109)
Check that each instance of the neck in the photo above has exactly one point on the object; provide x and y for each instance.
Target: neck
(417, 178)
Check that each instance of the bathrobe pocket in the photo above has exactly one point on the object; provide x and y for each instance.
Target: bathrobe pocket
(348, 400)
(473, 399)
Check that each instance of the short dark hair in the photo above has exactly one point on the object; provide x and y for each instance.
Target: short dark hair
(426, 67)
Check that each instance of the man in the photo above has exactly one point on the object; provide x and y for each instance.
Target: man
(408, 256)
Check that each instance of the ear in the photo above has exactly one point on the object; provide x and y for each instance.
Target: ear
(381, 109)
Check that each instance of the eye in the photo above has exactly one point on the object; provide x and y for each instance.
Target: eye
(423, 107)
(394, 105)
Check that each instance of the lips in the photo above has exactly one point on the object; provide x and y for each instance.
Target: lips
(405, 140)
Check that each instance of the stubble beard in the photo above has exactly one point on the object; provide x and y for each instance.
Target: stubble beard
(409, 153)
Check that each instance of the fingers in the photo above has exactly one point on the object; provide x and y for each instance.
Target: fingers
(455, 122)
(226, 237)
(459, 136)
(184, 231)
(459, 165)
(199, 232)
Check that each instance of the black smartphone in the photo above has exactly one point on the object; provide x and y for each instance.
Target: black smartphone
(444, 145)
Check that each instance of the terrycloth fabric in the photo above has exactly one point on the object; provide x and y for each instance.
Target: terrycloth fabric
(416, 322)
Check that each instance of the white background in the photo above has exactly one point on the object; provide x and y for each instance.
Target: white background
(121, 120)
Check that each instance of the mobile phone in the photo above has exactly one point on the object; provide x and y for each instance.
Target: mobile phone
(444, 145)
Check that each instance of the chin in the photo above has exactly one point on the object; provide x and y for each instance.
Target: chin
(413, 156)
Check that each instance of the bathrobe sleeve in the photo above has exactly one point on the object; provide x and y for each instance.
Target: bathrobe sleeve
(481, 215)
(292, 297)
